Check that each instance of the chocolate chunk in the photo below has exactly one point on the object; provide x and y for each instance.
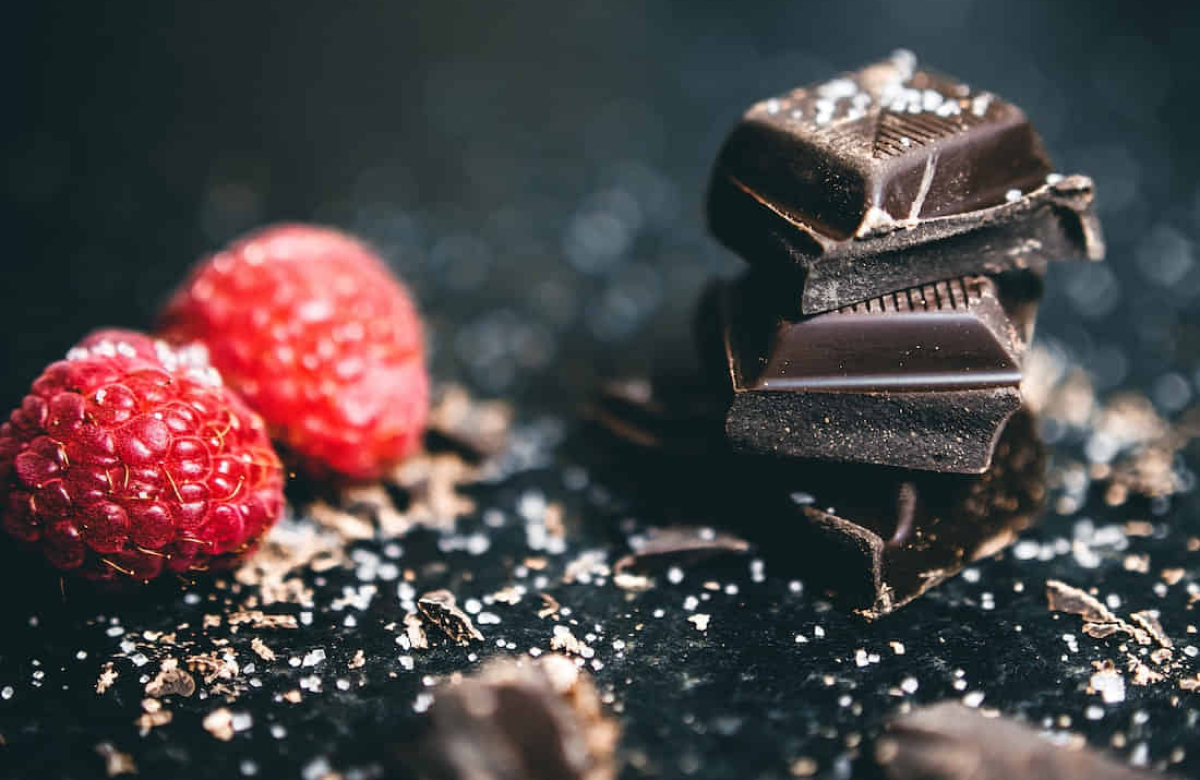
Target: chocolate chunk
(948, 741)
(880, 537)
(441, 609)
(923, 379)
(534, 721)
(874, 537)
(890, 177)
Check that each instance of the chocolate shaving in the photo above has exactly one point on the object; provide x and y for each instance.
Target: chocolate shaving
(441, 609)
(261, 649)
(153, 715)
(1099, 621)
(415, 631)
(116, 762)
(171, 681)
(1151, 626)
(678, 545)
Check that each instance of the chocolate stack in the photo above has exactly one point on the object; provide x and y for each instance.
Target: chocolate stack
(898, 223)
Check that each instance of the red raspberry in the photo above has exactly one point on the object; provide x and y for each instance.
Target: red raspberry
(320, 338)
(131, 459)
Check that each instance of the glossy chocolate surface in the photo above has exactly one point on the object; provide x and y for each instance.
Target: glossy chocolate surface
(952, 334)
(889, 143)
(891, 177)
(924, 381)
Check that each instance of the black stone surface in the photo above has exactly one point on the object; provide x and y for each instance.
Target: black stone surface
(536, 173)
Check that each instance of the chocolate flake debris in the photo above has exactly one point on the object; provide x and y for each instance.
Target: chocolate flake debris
(1151, 626)
(219, 723)
(1098, 620)
(678, 545)
(153, 715)
(257, 619)
(213, 666)
(543, 719)
(415, 631)
(108, 675)
(565, 641)
(479, 428)
(116, 762)
(550, 606)
(171, 681)
(261, 650)
(1142, 674)
(441, 609)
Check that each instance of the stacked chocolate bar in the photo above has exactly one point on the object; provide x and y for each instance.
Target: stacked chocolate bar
(898, 223)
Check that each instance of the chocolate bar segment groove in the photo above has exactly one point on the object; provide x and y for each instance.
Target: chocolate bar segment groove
(921, 379)
(893, 176)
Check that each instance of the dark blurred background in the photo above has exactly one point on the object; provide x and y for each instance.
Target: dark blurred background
(535, 170)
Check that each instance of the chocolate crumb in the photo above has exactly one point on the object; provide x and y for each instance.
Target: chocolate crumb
(108, 676)
(116, 762)
(565, 641)
(415, 631)
(171, 681)
(261, 650)
(441, 609)
(153, 715)
(219, 723)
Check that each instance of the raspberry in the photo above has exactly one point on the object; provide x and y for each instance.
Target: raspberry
(130, 459)
(319, 338)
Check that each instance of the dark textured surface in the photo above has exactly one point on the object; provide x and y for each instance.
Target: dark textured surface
(536, 172)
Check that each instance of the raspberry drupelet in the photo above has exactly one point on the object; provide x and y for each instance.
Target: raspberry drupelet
(130, 459)
(318, 336)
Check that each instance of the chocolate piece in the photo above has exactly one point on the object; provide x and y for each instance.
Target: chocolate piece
(948, 741)
(535, 721)
(874, 537)
(924, 378)
(441, 609)
(892, 177)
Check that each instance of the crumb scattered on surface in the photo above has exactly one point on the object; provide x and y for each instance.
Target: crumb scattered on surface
(171, 681)
(116, 762)
(441, 608)
(261, 649)
(108, 675)
(564, 640)
(153, 715)
(414, 629)
(219, 723)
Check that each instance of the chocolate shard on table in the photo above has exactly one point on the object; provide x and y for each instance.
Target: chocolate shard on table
(890, 177)
(949, 741)
(923, 378)
(520, 720)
